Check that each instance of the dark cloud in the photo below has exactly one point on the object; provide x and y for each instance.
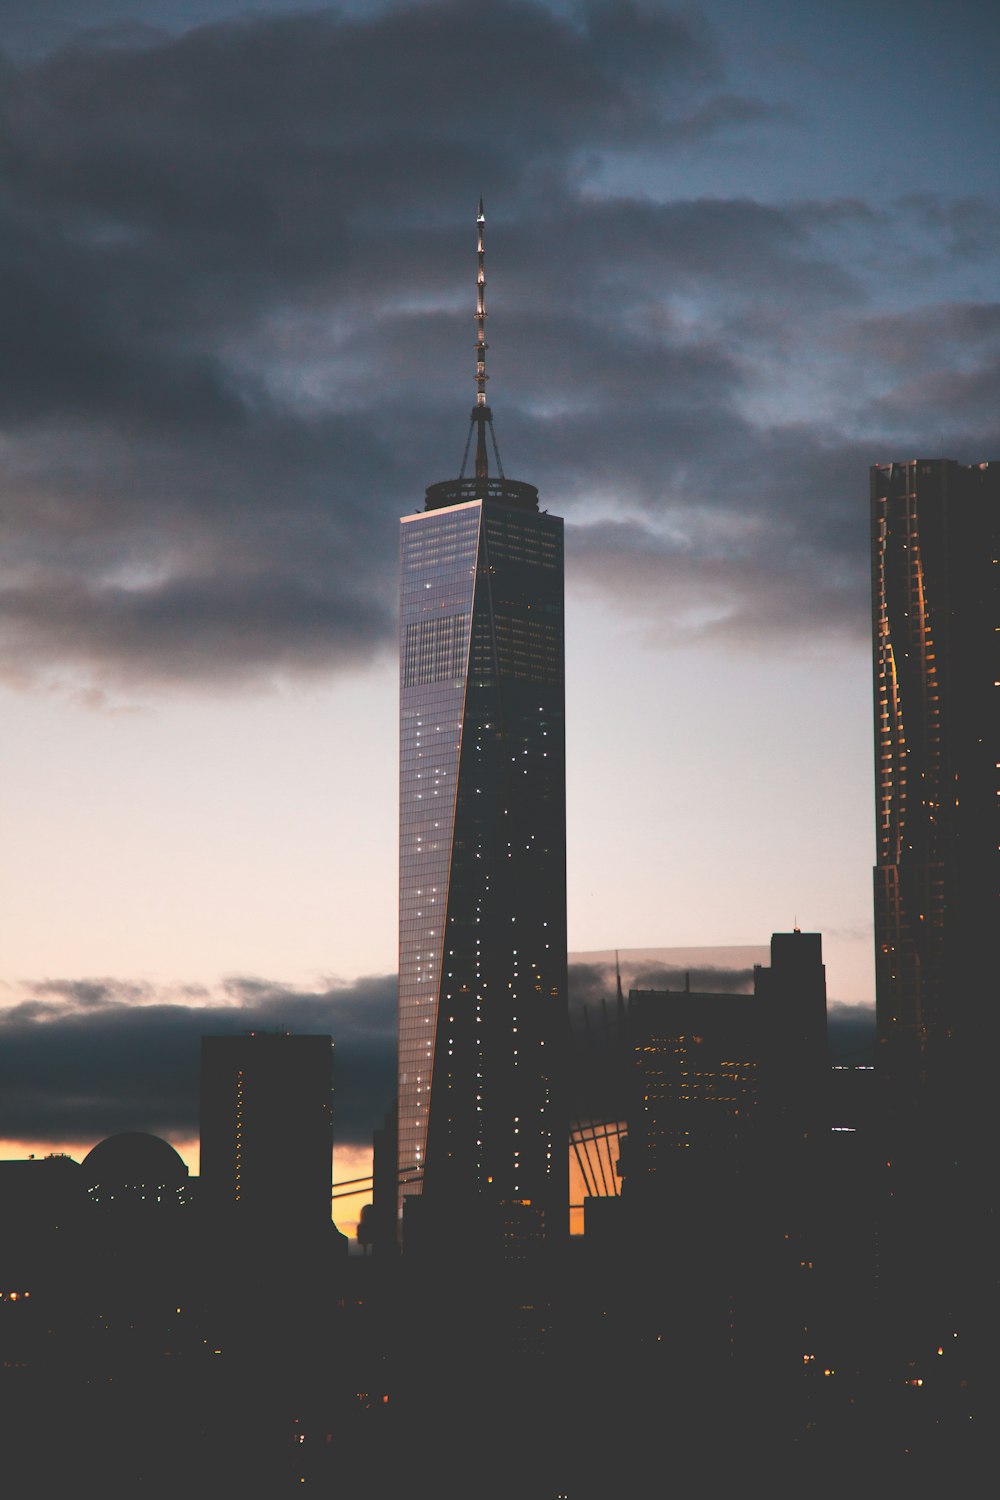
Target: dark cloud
(709, 979)
(236, 277)
(727, 597)
(593, 986)
(84, 1059)
(952, 399)
(898, 339)
(589, 985)
(966, 227)
(851, 1030)
(81, 1060)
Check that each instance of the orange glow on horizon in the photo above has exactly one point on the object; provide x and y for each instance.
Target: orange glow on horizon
(349, 1163)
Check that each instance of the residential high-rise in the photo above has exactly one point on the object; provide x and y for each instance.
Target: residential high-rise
(934, 567)
(482, 856)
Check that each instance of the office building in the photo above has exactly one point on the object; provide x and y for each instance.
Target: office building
(267, 1127)
(722, 1165)
(482, 861)
(721, 1080)
(934, 552)
(793, 988)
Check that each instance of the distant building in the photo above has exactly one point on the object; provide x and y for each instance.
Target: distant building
(133, 1170)
(377, 1230)
(39, 1188)
(140, 1237)
(267, 1127)
(727, 1078)
(934, 620)
(41, 1204)
(727, 1131)
(697, 1061)
(793, 988)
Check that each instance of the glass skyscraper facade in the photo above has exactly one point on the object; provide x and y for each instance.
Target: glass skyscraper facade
(934, 622)
(482, 866)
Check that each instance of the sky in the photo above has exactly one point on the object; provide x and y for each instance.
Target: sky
(737, 252)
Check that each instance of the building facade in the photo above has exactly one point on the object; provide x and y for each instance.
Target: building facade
(723, 1167)
(267, 1127)
(934, 566)
(482, 858)
(728, 1080)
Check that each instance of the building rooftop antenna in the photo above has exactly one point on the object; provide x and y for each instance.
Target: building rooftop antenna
(482, 416)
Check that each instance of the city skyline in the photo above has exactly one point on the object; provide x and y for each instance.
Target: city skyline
(721, 288)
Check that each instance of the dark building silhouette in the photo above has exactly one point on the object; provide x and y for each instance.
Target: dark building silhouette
(757, 1062)
(934, 621)
(42, 1202)
(702, 1284)
(267, 1127)
(40, 1190)
(793, 987)
(697, 1065)
(482, 902)
(377, 1230)
(934, 618)
(132, 1169)
(102, 1362)
(139, 1247)
(727, 1078)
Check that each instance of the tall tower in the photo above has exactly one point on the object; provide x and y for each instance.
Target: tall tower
(934, 568)
(482, 855)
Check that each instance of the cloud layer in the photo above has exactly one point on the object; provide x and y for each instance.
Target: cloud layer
(236, 268)
(81, 1060)
(84, 1059)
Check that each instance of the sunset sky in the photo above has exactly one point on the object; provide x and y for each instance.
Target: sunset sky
(737, 252)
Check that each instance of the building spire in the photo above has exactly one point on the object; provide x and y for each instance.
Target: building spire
(482, 485)
(482, 416)
(481, 413)
(481, 344)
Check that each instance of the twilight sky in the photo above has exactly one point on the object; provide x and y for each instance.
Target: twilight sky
(736, 252)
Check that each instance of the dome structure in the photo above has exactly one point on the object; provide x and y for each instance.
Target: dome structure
(134, 1165)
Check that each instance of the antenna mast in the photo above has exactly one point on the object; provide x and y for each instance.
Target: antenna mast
(482, 416)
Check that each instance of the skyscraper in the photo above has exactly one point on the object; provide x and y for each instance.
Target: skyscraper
(933, 532)
(482, 854)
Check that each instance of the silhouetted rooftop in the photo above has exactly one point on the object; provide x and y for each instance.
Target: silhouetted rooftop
(134, 1157)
